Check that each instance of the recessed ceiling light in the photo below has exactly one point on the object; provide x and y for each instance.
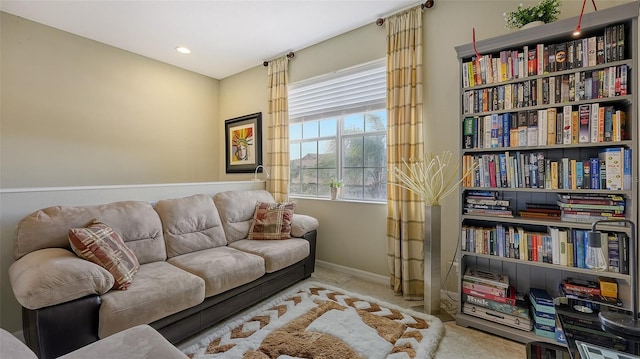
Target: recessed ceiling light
(183, 50)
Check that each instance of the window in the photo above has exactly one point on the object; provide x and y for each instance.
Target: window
(338, 130)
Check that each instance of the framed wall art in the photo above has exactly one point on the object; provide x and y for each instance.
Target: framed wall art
(243, 143)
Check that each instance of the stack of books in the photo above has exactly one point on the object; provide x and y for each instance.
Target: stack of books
(488, 295)
(590, 294)
(486, 203)
(541, 211)
(590, 207)
(544, 313)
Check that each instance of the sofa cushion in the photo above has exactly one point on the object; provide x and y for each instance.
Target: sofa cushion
(222, 268)
(236, 210)
(52, 276)
(137, 223)
(12, 348)
(301, 224)
(141, 341)
(271, 221)
(190, 224)
(160, 289)
(277, 254)
(103, 246)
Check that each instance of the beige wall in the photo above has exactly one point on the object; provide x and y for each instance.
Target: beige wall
(78, 112)
(353, 234)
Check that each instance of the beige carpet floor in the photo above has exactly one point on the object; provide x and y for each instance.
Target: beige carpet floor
(458, 342)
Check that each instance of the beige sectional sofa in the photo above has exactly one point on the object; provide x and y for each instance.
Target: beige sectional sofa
(196, 268)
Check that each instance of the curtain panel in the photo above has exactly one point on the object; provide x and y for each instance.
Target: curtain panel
(405, 210)
(278, 129)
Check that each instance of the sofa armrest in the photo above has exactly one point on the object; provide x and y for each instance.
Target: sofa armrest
(52, 276)
(301, 224)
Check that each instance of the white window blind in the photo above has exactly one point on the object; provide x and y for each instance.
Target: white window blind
(356, 89)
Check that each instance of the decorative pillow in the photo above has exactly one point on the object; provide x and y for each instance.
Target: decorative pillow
(101, 245)
(272, 221)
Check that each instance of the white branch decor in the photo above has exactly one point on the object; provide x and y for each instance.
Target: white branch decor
(433, 179)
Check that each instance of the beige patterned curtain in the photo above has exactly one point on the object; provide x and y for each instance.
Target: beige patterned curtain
(278, 129)
(405, 218)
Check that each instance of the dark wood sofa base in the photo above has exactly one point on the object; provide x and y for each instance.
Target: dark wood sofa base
(54, 331)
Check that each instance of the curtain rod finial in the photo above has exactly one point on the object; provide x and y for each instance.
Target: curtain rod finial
(428, 4)
(265, 64)
(380, 21)
(291, 55)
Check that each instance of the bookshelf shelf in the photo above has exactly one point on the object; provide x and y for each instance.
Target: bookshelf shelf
(551, 190)
(624, 277)
(581, 112)
(624, 143)
(501, 330)
(542, 223)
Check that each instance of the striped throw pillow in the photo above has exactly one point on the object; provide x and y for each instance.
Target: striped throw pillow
(101, 245)
(272, 221)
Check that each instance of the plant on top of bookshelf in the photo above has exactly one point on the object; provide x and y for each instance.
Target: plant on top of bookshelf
(546, 11)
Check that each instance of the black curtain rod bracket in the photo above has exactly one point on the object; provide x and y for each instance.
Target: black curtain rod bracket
(427, 5)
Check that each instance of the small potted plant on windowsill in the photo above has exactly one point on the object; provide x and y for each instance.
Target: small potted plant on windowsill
(545, 12)
(334, 186)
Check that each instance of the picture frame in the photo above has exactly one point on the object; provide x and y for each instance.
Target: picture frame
(243, 143)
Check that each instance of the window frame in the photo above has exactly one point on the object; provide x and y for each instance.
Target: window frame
(340, 113)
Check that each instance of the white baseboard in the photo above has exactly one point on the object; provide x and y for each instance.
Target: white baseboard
(368, 276)
(371, 277)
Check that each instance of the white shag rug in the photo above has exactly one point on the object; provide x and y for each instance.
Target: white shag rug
(316, 320)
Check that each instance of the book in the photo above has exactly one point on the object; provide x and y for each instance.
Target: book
(509, 299)
(584, 123)
(566, 127)
(484, 288)
(483, 276)
(468, 132)
(581, 286)
(497, 317)
(540, 297)
(613, 159)
(521, 309)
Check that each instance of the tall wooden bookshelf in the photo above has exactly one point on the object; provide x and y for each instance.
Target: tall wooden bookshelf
(525, 273)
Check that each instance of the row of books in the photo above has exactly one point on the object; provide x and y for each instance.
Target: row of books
(489, 295)
(560, 246)
(587, 123)
(611, 170)
(546, 58)
(585, 85)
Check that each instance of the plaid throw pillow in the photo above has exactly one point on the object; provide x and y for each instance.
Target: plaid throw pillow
(272, 221)
(101, 245)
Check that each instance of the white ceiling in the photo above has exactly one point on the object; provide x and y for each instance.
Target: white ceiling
(225, 36)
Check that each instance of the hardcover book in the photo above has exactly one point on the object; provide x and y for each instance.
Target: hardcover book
(584, 120)
(488, 277)
(521, 309)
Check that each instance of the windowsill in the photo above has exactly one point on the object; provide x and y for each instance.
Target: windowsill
(339, 200)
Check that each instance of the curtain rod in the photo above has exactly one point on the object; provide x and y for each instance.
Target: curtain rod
(426, 5)
(289, 55)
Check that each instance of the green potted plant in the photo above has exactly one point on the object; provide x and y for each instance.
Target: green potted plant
(334, 186)
(546, 11)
